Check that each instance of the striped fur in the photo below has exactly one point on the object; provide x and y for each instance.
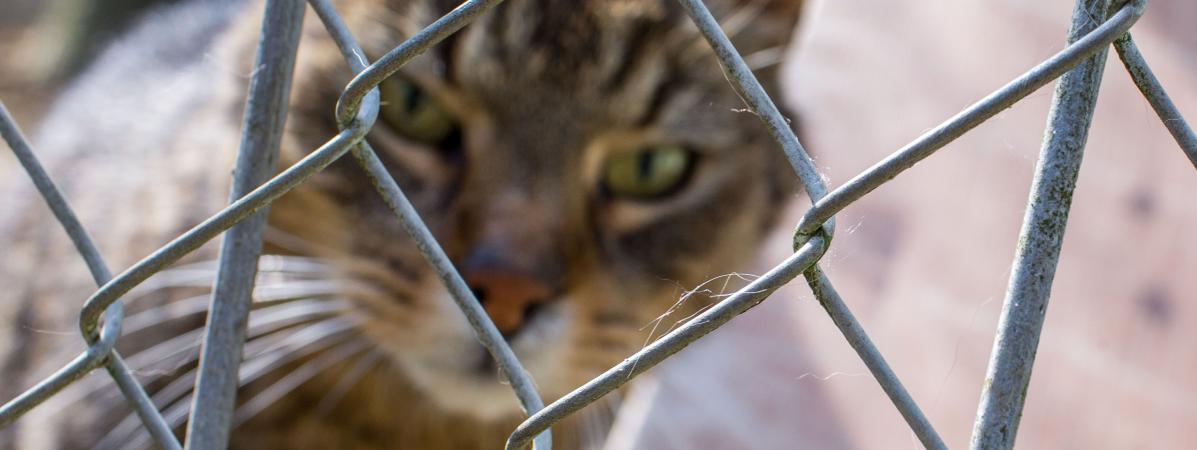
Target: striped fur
(353, 341)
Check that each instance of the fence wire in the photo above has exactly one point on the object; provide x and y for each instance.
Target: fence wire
(224, 337)
(1003, 390)
(1039, 242)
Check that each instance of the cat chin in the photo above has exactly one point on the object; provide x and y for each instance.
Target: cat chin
(474, 389)
(456, 373)
(480, 396)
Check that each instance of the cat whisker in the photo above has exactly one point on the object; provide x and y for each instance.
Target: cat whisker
(596, 420)
(296, 378)
(143, 360)
(264, 296)
(295, 244)
(765, 58)
(262, 358)
(291, 289)
(293, 264)
(181, 277)
(182, 383)
(266, 264)
(262, 321)
(202, 274)
(317, 335)
(354, 374)
(732, 25)
(120, 436)
(301, 343)
(738, 20)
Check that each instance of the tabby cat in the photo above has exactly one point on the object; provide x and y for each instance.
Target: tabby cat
(583, 163)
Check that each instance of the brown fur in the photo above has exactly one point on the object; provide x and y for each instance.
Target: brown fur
(544, 91)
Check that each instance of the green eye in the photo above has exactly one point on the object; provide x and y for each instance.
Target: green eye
(414, 114)
(649, 173)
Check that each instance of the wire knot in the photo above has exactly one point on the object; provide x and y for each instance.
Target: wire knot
(801, 234)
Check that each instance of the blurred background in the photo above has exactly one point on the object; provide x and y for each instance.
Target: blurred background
(43, 43)
(924, 260)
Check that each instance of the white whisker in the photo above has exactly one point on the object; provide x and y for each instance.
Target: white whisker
(595, 421)
(259, 341)
(296, 378)
(261, 321)
(732, 26)
(764, 58)
(292, 289)
(301, 343)
(202, 274)
(347, 381)
(254, 348)
(175, 399)
(737, 21)
(195, 305)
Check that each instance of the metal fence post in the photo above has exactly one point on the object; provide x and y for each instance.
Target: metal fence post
(1005, 388)
(262, 129)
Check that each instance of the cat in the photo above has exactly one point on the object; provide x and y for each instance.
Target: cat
(582, 162)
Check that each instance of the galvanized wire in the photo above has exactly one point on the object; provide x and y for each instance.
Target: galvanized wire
(262, 132)
(509, 365)
(1005, 388)
(101, 344)
(706, 322)
(966, 120)
(390, 63)
(754, 95)
(1154, 92)
(87, 249)
(760, 103)
(358, 108)
(490, 337)
(854, 333)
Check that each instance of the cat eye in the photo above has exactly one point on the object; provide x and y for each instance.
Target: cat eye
(414, 114)
(649, 173)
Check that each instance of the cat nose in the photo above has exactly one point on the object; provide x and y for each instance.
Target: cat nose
(510, 298)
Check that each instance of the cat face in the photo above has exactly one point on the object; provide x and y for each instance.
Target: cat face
(583, 163)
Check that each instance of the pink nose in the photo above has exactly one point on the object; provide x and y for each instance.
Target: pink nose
(509, 297)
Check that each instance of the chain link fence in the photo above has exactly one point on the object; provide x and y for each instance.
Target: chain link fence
(1096, 24)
